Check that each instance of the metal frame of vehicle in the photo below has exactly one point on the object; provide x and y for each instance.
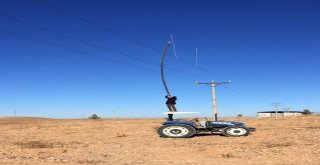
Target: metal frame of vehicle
(184, 129)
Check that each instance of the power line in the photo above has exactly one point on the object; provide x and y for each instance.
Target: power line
(89, 43)
(239, 92)
(74, 39)
(85, 53)
(98, 25)
(68, 48)
(116, 33)
(123, 36)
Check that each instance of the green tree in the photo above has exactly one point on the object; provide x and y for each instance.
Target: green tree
(306, 112)
(239, 115)
(94, 116)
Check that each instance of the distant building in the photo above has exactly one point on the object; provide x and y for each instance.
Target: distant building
(279, 113)
(316, 113)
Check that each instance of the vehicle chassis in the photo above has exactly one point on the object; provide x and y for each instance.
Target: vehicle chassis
(185, 129)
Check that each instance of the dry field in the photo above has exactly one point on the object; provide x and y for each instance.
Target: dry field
(282, 141)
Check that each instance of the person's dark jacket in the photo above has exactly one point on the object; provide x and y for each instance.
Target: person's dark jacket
(171, 100)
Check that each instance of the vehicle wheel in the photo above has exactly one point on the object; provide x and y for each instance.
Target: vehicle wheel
(235, 131)
(176, 131)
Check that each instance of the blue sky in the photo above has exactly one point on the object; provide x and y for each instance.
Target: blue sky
(70, 59)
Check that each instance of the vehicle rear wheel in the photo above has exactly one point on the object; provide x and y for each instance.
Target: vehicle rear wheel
(176, 131)
(235, 131)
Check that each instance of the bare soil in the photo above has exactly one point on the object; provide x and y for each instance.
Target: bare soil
(281, 141)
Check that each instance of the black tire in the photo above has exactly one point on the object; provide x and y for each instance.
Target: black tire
(176, 131)
(235, 131)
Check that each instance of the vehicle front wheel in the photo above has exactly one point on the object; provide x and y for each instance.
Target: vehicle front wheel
(176, 131)
(235, 131)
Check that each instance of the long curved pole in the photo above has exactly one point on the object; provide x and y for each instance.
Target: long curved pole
(162, 65)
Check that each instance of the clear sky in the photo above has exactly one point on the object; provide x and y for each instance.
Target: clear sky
(70, 59)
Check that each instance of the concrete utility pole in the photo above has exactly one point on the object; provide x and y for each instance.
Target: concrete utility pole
(286, 109)
(113, 115)
(276, 107)
(214, 99)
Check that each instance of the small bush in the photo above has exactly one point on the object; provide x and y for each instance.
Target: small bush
(306, 112)
(36, 144)
(121, 135)
(227, 155)
(94, 117)
(239, 115)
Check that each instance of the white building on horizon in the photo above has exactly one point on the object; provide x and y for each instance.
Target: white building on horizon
(279, 113)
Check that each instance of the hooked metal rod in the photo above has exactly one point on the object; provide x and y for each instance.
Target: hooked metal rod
(162, 67)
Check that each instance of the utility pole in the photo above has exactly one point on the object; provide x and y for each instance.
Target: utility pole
(213, 85)
(113, 115)
(276, 108)
(286, 111)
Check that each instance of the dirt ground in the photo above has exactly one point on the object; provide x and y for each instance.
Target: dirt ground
(281, 141)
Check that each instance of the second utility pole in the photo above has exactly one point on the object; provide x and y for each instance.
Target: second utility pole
(214, 99)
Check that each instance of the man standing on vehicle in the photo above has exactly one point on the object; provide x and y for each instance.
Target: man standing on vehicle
(171, 101)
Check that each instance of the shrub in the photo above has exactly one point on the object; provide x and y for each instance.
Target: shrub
(94, 116)
(306, 112)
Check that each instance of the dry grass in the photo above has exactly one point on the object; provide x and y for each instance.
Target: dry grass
(282, 141)
(34, 144)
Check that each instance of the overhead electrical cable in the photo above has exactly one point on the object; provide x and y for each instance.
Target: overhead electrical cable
(84, 53)
(98, 25)
(112, 31)
(68, 48)
(90, 44)
(123, 36)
